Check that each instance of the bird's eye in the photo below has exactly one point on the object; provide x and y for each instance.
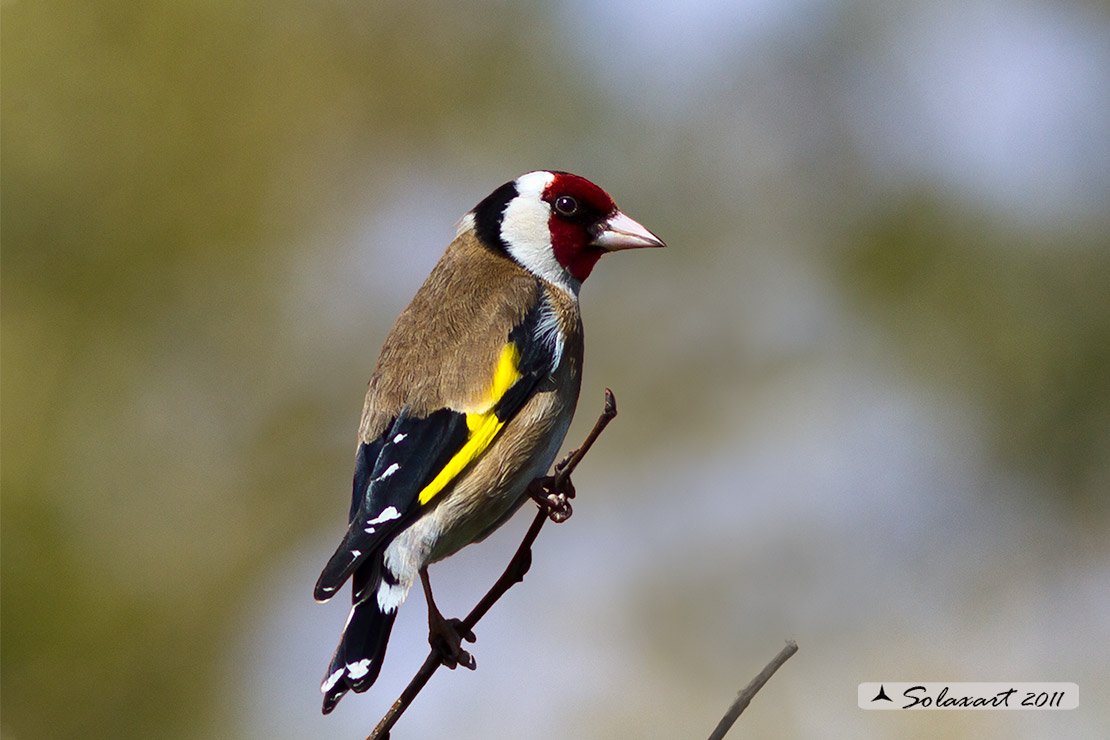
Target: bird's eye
(566, 205)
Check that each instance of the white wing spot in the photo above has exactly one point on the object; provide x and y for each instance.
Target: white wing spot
(331, 681)
(355, 554)
(388, 514)
(389, 471)
(399, 437)
(359, 669)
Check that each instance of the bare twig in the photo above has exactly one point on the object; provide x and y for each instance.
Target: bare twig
(517, 567)
(567, 465)
(745, 696)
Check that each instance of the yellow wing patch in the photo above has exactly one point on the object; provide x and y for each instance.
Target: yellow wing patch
(483, 425)
(507, 373)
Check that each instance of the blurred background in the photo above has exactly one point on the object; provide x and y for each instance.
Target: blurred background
(865, 396)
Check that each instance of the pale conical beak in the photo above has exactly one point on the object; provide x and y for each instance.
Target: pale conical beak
(621, 232)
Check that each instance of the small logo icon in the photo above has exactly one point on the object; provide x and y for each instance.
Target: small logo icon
(881, 696)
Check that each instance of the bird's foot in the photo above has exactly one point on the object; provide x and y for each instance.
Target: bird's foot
(446, 637)
(553, 494)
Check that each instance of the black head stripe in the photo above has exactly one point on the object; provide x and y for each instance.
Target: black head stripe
(488, 215)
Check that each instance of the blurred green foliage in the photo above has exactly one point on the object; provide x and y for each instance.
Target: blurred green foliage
(1014, 321)
(159, 162)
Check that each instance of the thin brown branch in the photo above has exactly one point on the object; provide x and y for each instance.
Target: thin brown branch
(745, 696)
(567, 465)
(558, 486)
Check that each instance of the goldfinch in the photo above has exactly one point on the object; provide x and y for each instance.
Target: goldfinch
(470, 400)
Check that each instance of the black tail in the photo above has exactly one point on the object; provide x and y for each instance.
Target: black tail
(358, 659)
(339, 568)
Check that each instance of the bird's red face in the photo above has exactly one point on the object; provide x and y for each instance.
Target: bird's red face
(558, 225)
(578, 207)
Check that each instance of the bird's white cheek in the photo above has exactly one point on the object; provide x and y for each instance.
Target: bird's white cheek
(527, 235)
(524, 229)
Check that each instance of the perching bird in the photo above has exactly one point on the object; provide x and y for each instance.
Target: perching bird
(470, 400)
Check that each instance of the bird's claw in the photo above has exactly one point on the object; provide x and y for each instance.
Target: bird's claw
(446, 639)
(558, 507)
(554, 500)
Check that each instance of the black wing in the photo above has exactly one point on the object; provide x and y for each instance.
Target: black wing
(401, 471)
(386, 484)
